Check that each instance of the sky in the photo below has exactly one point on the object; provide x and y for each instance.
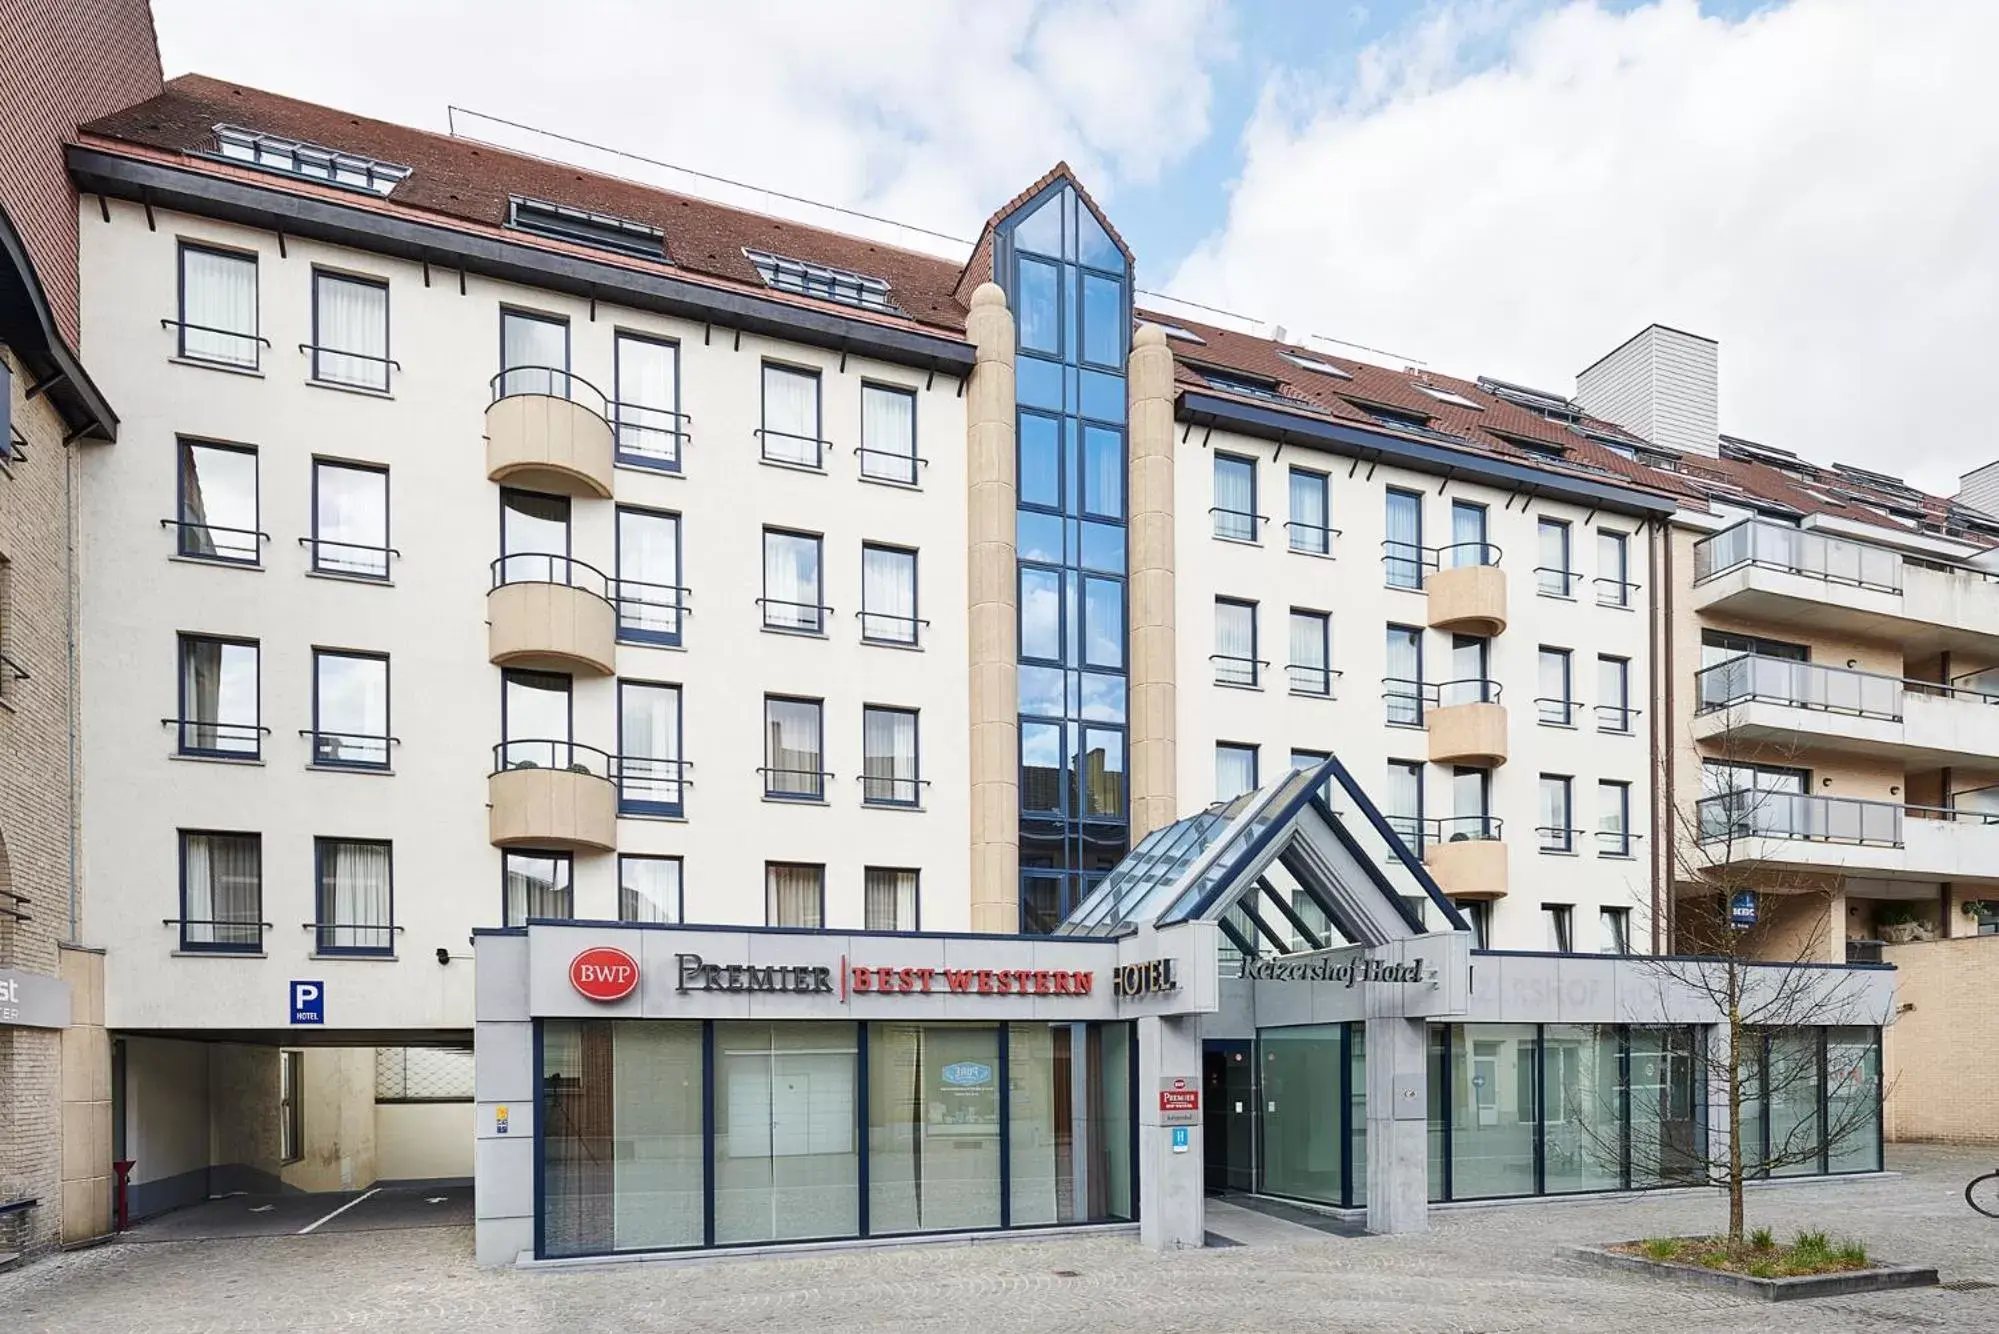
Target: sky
(1501, 187)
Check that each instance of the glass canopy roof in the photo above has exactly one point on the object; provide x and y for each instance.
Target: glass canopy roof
(1304, 863)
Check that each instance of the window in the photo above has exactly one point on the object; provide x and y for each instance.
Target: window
(315, 161)
(1305, 363)
(1311, 646)
(1553, 577)
(1402, 555)
(1310, 513)
(1103, 475)
(1558, 708)
(1613, 805)
(1478, 916)
(803, 277)
(793, 763)
(356, 896)
(423, 1074)
(888, 595)
(651, 599)
(645, 408)
(1402, 685)
(1103, 623)
(1040, 600)
(350, 519)
(1235, 770)
(1560, 921)
(535, 720)
(1613, 688)
(1471, 673)
(350, 709)
(221, 892)
(534, 538)
(1613, 564)
(536, 885)
(888, 434)
(1403, 809)
(651, 780)
(1471, 806)
(218, 307)
(291, 1106)
(790, 431)
(534, 355)
(1235, 643)
(600, 231)
(888, 757)
(889, 900)
(1718, 646)
(792, 592)
(649, 889)
(219, 698)
(1309, 759)
(794, 895)
(350, 331)
(218, 503)
(1468, 544)
(1555, 829)
(1615, 927)
(1235, 498)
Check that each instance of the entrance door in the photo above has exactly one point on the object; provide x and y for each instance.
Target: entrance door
(1228, 1115)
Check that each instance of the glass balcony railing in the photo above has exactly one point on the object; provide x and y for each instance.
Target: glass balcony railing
(1766, 813)
(1816, 555)
(1748, 678)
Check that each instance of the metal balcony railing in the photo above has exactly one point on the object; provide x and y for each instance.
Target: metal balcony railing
(553, 382)
(1773, 546)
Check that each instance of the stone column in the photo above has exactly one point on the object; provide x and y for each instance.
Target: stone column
(1398, 1124)
(86, 1099)
(995, 718)
(1154, 795)
(1172, 1187)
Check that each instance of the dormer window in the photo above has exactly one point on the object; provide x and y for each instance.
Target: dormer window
(1445, 396)
(313, 161)
(1305, 363)
(1176, 331)
(1236, 382)
(599, 231)
(805, 278)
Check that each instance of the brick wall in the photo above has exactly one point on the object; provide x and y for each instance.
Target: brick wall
(63, 63)
(1943, 1082)
(35, 589)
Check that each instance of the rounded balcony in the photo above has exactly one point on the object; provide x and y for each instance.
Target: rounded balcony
(549, 430)
(1468, 595)
(1468, 725)
(551, 613)
(552, 794)
(1466, 856)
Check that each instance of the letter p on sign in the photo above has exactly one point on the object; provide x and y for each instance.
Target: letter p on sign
(308, 1003)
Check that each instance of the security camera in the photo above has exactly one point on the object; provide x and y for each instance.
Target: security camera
(443, 955)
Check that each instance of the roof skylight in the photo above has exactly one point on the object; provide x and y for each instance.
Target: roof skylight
(805, 278)
(601, 231)
(1176, 331)
(316, 162)
(1445, 396)
(1305, 363)
(1534, 400)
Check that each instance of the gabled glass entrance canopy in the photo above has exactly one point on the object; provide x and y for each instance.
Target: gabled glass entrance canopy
(1305, 863)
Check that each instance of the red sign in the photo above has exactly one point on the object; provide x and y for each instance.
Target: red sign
(604, 974)
(863, 980)
(1179, 1095)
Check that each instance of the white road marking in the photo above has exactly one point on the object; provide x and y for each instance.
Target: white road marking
(337, 1212)
(435, 1199)
(262, 1208)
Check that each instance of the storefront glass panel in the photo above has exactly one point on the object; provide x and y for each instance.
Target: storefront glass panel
(1041, 1123)
(1853, 1099)
(1357, 1113)
(1667, 1126)
(1112, 1192)
(1439, 1082)
(933, 1127)
(1582, 1103)
(787, 1159)
(1301, 1144)
(1492, 1110)
(1796, 1132)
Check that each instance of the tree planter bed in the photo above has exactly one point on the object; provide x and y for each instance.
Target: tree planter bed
(1839, 1283)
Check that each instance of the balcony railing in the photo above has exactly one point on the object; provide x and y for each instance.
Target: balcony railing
(1311, 678)
(1403, 563)
(552, 382)
(650, 613)
(1314, 539)
(1465, 829)
(649, 437)
(897, 466)
(350, 750)
(1235, 670)
(1405, 699)
(1815, 555)
(354, 560)
(212, 541)
(1458, 555)
(1760, 813)
(1749, 678)
(548, 753)
(534, 567)
(1467, 690)
(651, 786)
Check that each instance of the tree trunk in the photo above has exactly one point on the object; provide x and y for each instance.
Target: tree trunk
(1734, 1109)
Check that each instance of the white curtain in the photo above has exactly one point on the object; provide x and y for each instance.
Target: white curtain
(1308, 512)
(795, 895)
(222, 898)
(1554, 813)
(1404, 551)
(352, 519)
(1554, 569)
(649, 572)
(890, 900)
(888, 595)
(647, 375)
(353, 319)
(888, 434)
(537, 886)
(1235, 642)
(1467, 534)
(791, 581)
(649, 743)
(649, 889)
(219, 296)
(535, 354)
(354, 896)
(1235, 771)
(793, 748)
(1555, 687)
(1235, 498)
(1308, 654)
(791, 416)
(888, 755)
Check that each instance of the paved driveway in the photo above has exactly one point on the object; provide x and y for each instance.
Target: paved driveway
(1492, 1269)
(326, 1213)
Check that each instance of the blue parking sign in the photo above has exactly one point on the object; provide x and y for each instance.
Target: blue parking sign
(308, 1002)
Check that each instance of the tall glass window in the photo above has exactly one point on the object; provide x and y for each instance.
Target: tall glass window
(218, 306)
(221, 891)
(888, 595)
(889, 900)
(1301, 1143)
(1613, 693)
(1235, 770)
(1235, 643)
(1468, 544)
(355, 897)
(1042, 1068)
(794, 895)
(1791, 1096)
(350, 709)
(1402, 682)
(650, 598)
(350, 519)
(534, 354)
(1613, 569)
(787, 1156)
(1311, 643)
(1493, 1111)
(218, 503)
(933, 1127)
(645, 411)
(534, 538)
(889, 757)
(790, 431)
(1068, 284)
(1557, 703)
(650, 781)
(1309, 524)
(1556, 830)
(535, 720)
(888, 434)
(1553, 576)
(1402, 806)
(219, 698)
(1853, 1099)
(350, 331)
(1666, 1122)
(1583, 1108)
(649, 889)
(535, 884)
(794, 767)
(1402, 554)
(792, 590)
(1235, 498)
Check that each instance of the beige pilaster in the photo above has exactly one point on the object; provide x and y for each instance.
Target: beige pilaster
(990, 497)
(1154, 800)
(85, 1207)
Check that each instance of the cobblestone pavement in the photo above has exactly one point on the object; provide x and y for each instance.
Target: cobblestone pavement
(1490, 1270)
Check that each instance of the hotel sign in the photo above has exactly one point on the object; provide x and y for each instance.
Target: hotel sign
(33, 1000)
(1347, 972)
(1154, 977)
(697, 974)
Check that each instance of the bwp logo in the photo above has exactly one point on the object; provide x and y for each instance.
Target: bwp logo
(604, 974)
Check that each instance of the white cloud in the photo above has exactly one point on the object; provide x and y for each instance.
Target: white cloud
(1816, 186)
(930, 111)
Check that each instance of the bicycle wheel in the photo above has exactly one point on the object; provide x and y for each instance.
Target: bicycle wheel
(1983, 1194)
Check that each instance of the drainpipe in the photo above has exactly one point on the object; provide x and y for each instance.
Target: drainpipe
(1663, 751)
(69, 649)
